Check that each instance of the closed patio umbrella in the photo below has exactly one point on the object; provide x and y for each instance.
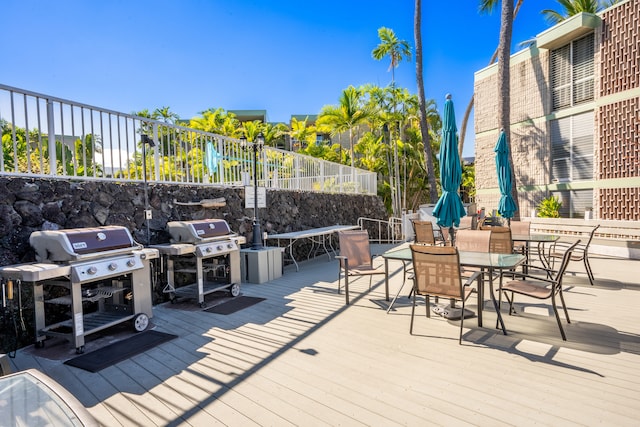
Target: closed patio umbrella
(449, 208)
(211, 158)
(506, 206)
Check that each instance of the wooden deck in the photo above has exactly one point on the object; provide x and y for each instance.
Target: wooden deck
(303, 358)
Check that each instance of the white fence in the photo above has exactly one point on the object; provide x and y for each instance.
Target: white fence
(95, 143)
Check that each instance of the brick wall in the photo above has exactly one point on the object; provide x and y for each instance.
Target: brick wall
(530, 149)
(618, 123)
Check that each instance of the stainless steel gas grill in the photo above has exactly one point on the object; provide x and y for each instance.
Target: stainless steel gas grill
(100, 273)
(205, 250)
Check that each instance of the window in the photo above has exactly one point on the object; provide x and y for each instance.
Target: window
(574, 202)
(572, 73)
(572, 148)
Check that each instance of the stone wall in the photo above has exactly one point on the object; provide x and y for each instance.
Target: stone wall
(27, 205)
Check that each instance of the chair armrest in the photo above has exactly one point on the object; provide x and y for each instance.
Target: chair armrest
(344, 261)
(521, 276)
(556, 249)
(473, 277)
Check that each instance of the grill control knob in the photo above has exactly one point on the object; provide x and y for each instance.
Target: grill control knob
(209, 249)
(131, 263)
(219, 247)
(92, 270)
(113, 266)
(230, 245)
(101, 236)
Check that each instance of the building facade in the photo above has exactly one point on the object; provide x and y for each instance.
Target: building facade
(575, 118)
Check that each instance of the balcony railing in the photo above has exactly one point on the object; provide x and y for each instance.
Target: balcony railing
(96, 143)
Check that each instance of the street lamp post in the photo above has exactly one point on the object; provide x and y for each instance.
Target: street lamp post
(256, 147)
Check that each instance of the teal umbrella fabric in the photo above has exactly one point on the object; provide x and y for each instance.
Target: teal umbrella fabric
(506, 206)
(449, 208)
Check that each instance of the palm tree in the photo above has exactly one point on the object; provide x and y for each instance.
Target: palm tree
(424, 127)
(165, 114)
(396, 50)
(390, 46)
(573, 7)
(346, 116)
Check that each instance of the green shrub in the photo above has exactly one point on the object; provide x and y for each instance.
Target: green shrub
(549, 208)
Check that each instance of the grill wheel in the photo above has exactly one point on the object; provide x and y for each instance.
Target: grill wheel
(140, 322)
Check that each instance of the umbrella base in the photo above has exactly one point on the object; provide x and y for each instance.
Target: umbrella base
(452, 313)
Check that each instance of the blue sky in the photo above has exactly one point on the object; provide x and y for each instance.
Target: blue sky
(286, 57)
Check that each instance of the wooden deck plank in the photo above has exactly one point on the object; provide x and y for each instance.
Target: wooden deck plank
(302, 357)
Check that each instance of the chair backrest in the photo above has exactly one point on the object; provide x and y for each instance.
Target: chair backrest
(473, 240)
(520, 228)
(437, 271)
(501, 242)
(563, 265)
(354, 245)
(489, 222)
(423, 232)
(466, 223)
(593, 232)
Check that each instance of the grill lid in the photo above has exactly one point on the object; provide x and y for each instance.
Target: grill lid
(197, 231)
(75, 243)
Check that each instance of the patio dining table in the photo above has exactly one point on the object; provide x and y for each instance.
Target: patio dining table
(486, 261)
(319, 238)
(541, 240)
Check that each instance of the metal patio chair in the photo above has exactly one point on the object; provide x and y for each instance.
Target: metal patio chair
(501, 242)
(355, 258)
(437, 273)
(520, 228)
(539, 287)
(580, 253)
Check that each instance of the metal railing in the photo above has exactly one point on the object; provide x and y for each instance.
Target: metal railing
(383, 231)
(96, 143)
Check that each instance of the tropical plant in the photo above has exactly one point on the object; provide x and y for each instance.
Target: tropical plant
(217, 121)
(549, 208)
(301, 134)
(274, 134)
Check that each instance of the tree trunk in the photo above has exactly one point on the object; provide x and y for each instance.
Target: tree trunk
(467, 112)
(396, 176)
(424, 126)
(504, 84)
